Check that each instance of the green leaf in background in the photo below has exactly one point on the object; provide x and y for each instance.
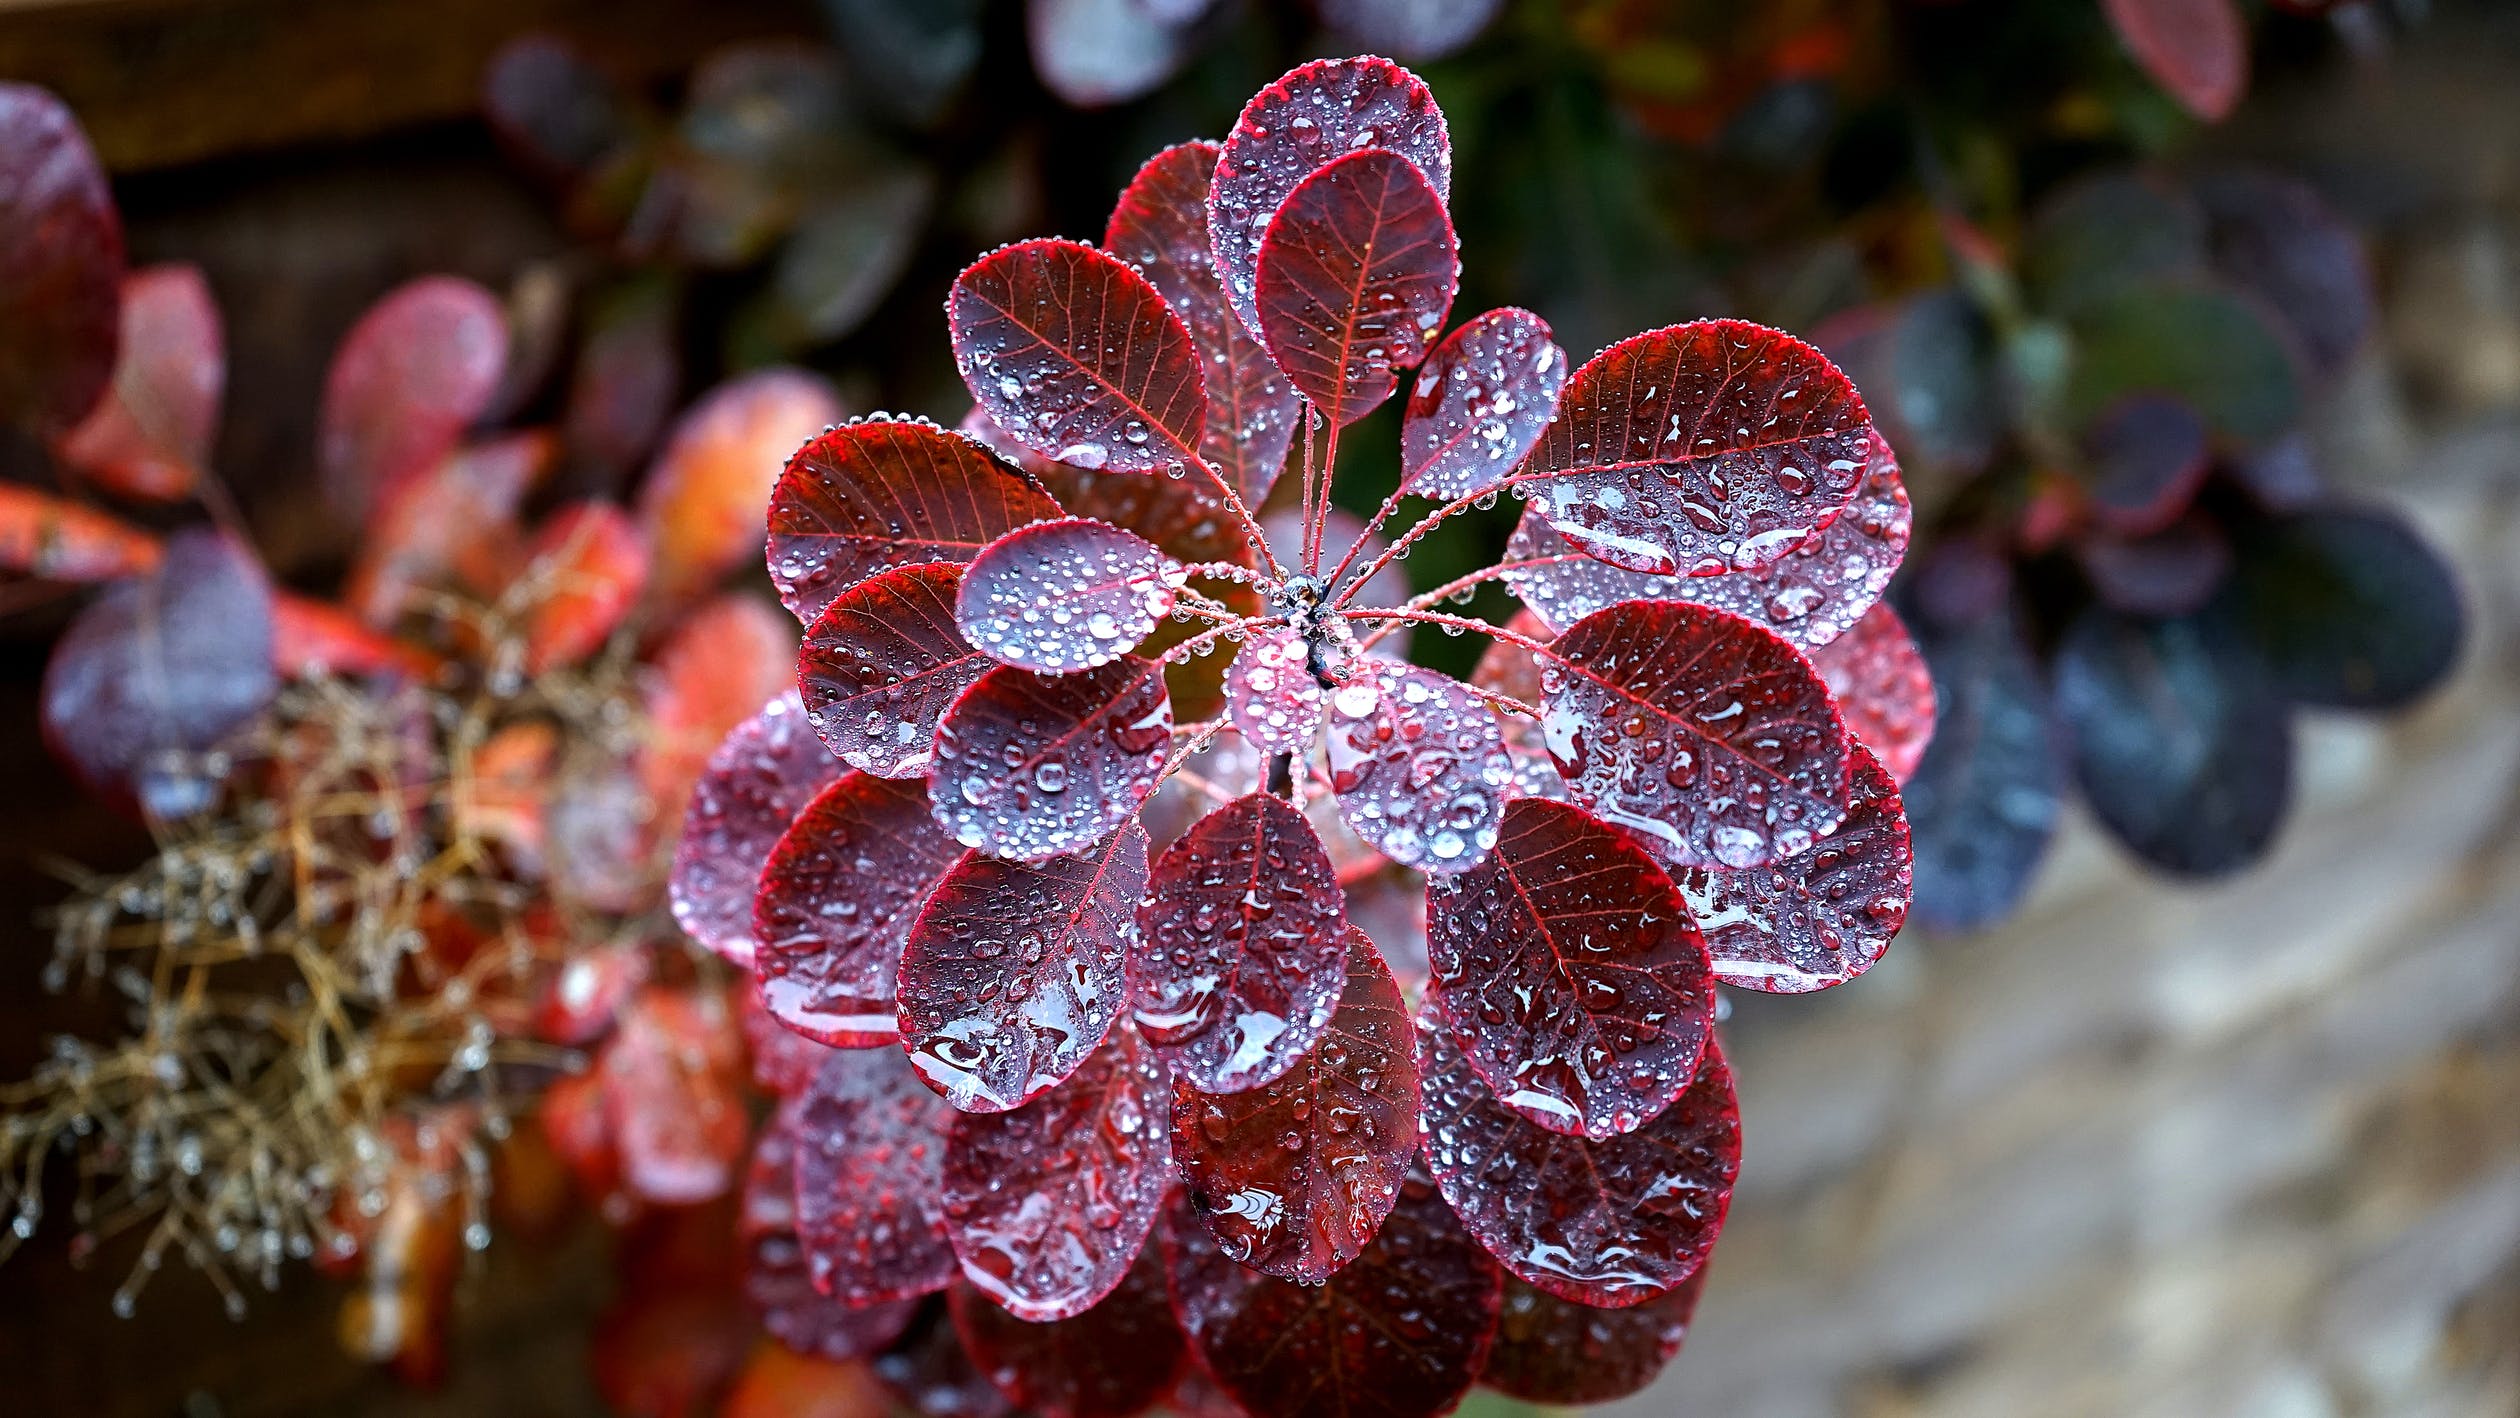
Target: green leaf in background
(2209, 347)
(2102, 235)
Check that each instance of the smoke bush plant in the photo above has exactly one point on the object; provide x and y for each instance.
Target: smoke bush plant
(1056, 1033)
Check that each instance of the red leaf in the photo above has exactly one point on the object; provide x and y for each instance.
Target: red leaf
(1294, 1177)
(415, 372)
(1571, 973)
(1078, 358)
(1047, 1204)
(1063, 596)
(2197, 49)
(150, 435)
(783, 1061)
(158, 671)
(870, 1174)
(459, 517)
(584, 569)
(1013, 974)
(881, 665)
(1419, 764)
(61, 265)
(54, 539)
(1244, 947)
(2172, 572)
(1399, 1333)
(1117, 1359)
(778, 1382)
(701, 504)
(1161, 227)
(880, 493)
(672, 1340)
(838, 896)
(757, 781)
(1702, 448)
(1480, 403)
(1272, 696)
(1709, 739)
(776, 1278)
(1819, 919)
(673, 1093)
(1312, 116)
(1030, 765)
(1612, 1223)
(1883, 690)
(311, 637)
(722, 661)
(929, 1373)
(1552, 1351)
(1356, 274)
(2148, 456)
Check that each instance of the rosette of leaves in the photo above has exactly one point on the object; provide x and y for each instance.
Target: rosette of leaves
(2139, 577)
(1101, 1046)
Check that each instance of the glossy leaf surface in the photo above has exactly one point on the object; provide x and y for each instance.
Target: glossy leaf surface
(150, 435)
(1047, 1205)
(881, 493)
(1554, 1351)
(839, 894)
(1013, 973)
(1030, 765)
(882, 664)
(2348, 608)
(776, 1278)
(61, 264)
(1709, 739)
(1699, 449)
(701, 504)
(1612, 1223)
(1819, 919)
(870, 1171)
(756, 783)
(1117, 1359)
(415, 372)
(1479, 404)
(1571, 973)
(1356, 274)
(1243, 946)
(1271, 695)
(1063, 596)
(1419, 765)
(673, 1096)
(1984, 799)
(1078, 358)
(1884, 690)
(1294, 1177)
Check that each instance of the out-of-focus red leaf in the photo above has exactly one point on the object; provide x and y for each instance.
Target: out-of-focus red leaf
(1819, 919)
(778, 1382)
(1113, 1361)
(1479, 405)
(584, 569)
(870, 1179)
(1244, 946)
(2196, 49)
(585, 998)
(54, 539)
(1399, 1333)
(929, 1371)
(411, 376)
(839, 894)
(157, 671)
(61, 265)
(1161, 226)
(1554, 1351)
(1571, 973)
(673, 1091)
(776, 1278)
(701, 506)
(1294, 1177)
(505, 797)
(2148, 456)
(1709, 739)
(1884, 692)
(573, 1121)
(458, 517)
(311, 637)
(718, 665)
(1699, 449)
(783, 1061)
(1388, 903)
(1419, 764)
(883, 663)
(1314, 115)
(1357, 272)
(756, 783)
(1077, 356)
(1271, 695)
(1048, 1204)
(1613, 1223)
(150, 435)
(672, 1341)
(629, 368)
(881, 493)
(1013, 973)
(1031, 766)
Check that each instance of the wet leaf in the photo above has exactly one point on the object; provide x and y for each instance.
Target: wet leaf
(1819, 919)
(1983, 801)
(158, 671)
(756, 783)
(1115, 1360)
(1571, 973)
(1419, 765)
(55, 539)
(1557, 1352)
(2148, 456)
(1048, 1204)
(1077, 357)
(839, 894)
(881, 665)
(1271, 695)
(928, 1370)
(586, 567)
(784, 1062)
(1294, 1177)
(1479, 404)
(2196, 49)
(1030, 765)
(870, 1175)
(1884, 691)
(456, 521)
(61, 265)
(1413, 29)
(701, 504)
(713, 671)
(1161, 226)
(1094, 53)
(1314, 115)
(1013, 973)
(1709, 739)
(1355, 276)
(1612, 1223)
(1399, 1333)
(1063, 596)
(1243, 946)
(1699, 449)
(412, 375)
(2348, 607)
(673, 1095)
(776, 1278)
(880, 493)
(150, 435)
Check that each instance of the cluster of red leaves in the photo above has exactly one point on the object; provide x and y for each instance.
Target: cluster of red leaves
(1111, 1058)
